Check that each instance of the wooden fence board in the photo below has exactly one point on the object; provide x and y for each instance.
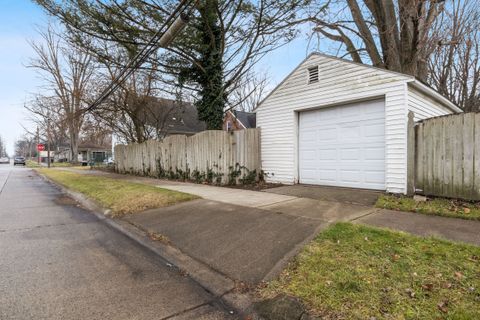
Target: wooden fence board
(476, 157)
(468, 140)
(447, 156)
(428, 157)
(437, 156)
(419, 159)
(213, 150)
(457, 132)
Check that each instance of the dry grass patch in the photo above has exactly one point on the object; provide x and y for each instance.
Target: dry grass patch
(121, 197)
(435, 206)
(358, 272)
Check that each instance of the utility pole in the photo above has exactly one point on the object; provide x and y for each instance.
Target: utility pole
(38, 142)
(48, 141)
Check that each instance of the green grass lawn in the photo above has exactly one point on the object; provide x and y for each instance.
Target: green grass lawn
(34, 164)
(436, 206)
(357, 272)
(122, 197)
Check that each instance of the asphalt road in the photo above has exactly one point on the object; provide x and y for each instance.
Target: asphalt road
(58, 261)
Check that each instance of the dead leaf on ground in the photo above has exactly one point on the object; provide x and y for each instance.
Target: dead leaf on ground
(447, 285)
(427, 286)
(458, 275)
(410, 293)
(466, 210)
(474, 258)
(395, 257)
(442, 306)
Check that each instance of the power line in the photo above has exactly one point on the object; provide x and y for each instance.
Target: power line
(163, 37)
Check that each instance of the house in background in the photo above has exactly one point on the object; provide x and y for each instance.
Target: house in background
(167, 117)
(87, 153)
(238, 120)
(339, 123)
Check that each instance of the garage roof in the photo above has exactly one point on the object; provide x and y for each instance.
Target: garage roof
(411, 80)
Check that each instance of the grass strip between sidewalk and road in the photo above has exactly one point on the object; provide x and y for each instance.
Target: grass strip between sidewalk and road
(34, 164)
(436, 206)
(357, 272)
(121, 197)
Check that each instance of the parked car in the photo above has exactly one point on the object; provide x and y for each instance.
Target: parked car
(4, 160)
(19, 160)
(109, 160)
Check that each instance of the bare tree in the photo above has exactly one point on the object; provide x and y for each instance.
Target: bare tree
(126, 109)
(454, 66)
(249, 92)
(42, 109)
(95, 132)
(67, 71)
(26, 146)
(390, 34)
(3, 148)
(222, 43)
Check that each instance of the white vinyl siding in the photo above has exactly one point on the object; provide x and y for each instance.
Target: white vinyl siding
(423, 106)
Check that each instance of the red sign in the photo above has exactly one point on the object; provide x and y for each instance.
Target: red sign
(40, 147)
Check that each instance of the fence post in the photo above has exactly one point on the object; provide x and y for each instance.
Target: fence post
(410, 154)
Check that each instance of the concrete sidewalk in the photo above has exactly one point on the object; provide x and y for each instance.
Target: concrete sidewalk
(453, 229)
(247, 198)
(306, 207)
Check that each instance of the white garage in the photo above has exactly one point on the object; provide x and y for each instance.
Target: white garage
(337, 123)
(343, 146)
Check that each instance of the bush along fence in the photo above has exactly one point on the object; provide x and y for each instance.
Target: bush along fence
(211, 156)
(444, 156)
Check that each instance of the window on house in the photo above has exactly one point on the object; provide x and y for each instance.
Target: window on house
(313, 74)
(229, 126)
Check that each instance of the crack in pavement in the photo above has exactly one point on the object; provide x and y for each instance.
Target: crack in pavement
(5, 183)
(45, 226)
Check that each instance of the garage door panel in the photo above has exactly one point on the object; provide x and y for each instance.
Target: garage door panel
(327, 115)
(374, 130)
(343, 146)
(350, 154)
(376, 177)
(374, 153)
(349, 132)
(327, 154)
(347, 176)
(327, 134)
(327, 175)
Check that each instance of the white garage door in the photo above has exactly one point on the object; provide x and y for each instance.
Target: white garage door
(343, 146)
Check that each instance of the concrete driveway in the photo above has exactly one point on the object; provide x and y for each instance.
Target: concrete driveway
(336, 194)
(243, 243)
(246, 235)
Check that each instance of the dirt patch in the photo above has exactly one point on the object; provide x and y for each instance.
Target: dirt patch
(66, 201)
(254, 187)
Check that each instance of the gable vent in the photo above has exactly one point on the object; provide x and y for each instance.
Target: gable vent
(313, 74)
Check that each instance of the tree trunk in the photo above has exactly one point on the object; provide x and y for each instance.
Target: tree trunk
(212, 95)
(73, 144)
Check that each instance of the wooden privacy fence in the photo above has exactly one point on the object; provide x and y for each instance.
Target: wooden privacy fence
(213, 155)
(446, 160)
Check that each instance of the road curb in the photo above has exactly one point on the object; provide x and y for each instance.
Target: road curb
(210, 280)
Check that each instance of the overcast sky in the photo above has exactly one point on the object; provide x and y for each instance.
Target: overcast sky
(19, 20)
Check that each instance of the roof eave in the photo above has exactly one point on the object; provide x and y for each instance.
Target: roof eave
(236, 119)
(434, 94)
